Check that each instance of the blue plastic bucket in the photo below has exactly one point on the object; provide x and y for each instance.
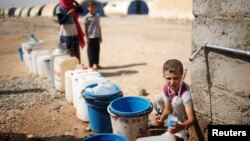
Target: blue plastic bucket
(105, 137)
(20, 52)
(129, 116)
(130, 106)
(99, 118)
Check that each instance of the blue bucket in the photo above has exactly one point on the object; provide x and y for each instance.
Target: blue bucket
(105, 137)
(20, 52)
(99, 118)
(130, 106)
(93, 98)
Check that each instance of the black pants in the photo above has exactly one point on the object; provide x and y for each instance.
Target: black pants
(72, 46)
(93, 51)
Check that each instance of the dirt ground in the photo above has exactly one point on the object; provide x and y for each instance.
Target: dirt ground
(133, 51)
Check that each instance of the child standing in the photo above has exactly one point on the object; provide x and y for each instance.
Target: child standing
(71, 32)
(175, 100)
(93, 35)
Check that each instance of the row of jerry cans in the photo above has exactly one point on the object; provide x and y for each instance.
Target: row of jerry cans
(51, 64)
(75, 83)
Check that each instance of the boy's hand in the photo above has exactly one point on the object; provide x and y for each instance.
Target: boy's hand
(159, 120)
(87, 40)
(71, 12)
(177, 127)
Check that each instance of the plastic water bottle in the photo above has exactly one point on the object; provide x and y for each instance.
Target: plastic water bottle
(171, 120)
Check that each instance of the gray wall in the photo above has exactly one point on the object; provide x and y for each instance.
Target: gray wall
(221, 81)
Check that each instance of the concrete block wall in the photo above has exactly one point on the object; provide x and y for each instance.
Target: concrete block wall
(221, 81)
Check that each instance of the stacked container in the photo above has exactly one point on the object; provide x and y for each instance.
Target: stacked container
(61, 65)
(59, 50)
(70, 76)
(98, 97)
(79, 85)
(34, 56)
(43, 66)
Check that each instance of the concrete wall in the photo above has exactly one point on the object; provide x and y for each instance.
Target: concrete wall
(171, 9)
(220, 81)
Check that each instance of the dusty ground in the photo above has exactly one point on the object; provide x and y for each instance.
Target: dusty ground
(133, 51)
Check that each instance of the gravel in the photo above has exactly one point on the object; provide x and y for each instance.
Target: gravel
(21, 92)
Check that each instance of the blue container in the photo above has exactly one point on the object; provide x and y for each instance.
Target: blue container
(20, 52)
(105, 137)
(130, 106)
(98, 97)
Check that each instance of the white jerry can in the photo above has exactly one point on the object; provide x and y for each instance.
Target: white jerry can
(75, 79)
(43, 66)
(34, 56)
(27, 48)
(69, 75)
(80, 83)
(61, 65)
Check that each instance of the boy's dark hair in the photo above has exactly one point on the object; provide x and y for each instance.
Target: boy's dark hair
(173, 65)
(91, 2)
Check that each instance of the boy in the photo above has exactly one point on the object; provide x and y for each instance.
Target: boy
(93, 35)
(174, 100)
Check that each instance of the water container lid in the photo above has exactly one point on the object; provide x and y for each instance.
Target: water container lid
(59, 49)
(102, 90)
(33, 39)
(130, 106)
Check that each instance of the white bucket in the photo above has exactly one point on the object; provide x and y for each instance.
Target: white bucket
(69, 75)
(34, 56)
(80, 83)
(43, 66)
(61, 65)
(129, 116)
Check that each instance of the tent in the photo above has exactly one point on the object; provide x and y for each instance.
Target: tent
(18, 12)
(171, 9)
(25, 12)
(49, 10)
(36, 11)
(125, 7)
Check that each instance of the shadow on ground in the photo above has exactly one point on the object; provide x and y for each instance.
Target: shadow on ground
(120, 72)
(124, 66)
(23, 137)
